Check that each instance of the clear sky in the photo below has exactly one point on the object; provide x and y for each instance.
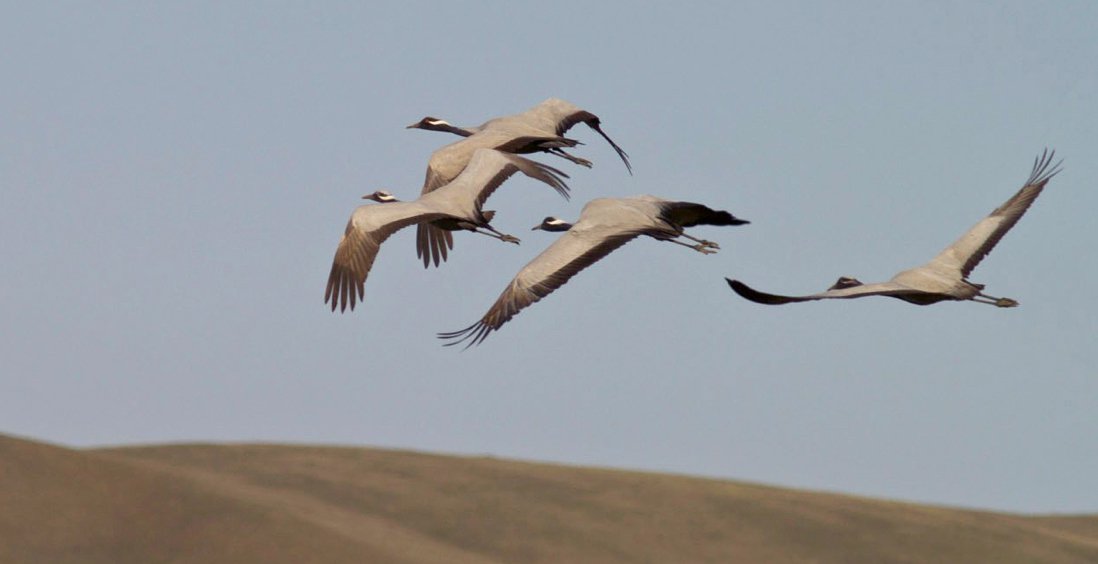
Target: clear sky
(175, 178)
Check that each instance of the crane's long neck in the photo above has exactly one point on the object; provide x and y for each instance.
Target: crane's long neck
(459, 131)
(448, 127)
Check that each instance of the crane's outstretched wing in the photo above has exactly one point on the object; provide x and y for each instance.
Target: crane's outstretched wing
(486, 171)
(838, 291)
(368, 228)
(448, 162)
(489, 168)
(432, 243)
(689, 214)
(550, 270)
(967, 251)
(562, 115)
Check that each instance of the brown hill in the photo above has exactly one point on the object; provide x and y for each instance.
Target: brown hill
(270, 504)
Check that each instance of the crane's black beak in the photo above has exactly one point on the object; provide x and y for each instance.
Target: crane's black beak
(536, 227)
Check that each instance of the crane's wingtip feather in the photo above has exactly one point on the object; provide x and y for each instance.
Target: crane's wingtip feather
(748, 293)
(474, 334)
(1043, 169)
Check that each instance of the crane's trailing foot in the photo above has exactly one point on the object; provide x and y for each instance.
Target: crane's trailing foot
(703, 248)
(578, 160)
(491, 232)
(992, 300)
(702, 242)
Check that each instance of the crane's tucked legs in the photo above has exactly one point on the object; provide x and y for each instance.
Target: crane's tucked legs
(703, 242)
(701, 248)
(578, 160)
(992, 300)
(491, 232)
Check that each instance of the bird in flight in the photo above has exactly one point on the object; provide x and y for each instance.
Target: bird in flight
(455, 206)
(538, 129)
(945, 277)
(605, 224)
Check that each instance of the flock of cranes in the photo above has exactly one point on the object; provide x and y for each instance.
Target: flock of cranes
(462, 176)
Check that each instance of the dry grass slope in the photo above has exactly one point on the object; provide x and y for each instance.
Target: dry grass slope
(265, 503)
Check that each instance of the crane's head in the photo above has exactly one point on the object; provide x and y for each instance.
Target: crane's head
(381, 196)
(845, 282)
(552, 224)
(431, 123)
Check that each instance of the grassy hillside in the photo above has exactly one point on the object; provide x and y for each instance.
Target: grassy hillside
(261, 503)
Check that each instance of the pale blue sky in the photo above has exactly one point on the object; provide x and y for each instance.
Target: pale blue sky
(176, 176)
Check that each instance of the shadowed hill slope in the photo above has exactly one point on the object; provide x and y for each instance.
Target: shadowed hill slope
(66, 506)
(266, 503)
